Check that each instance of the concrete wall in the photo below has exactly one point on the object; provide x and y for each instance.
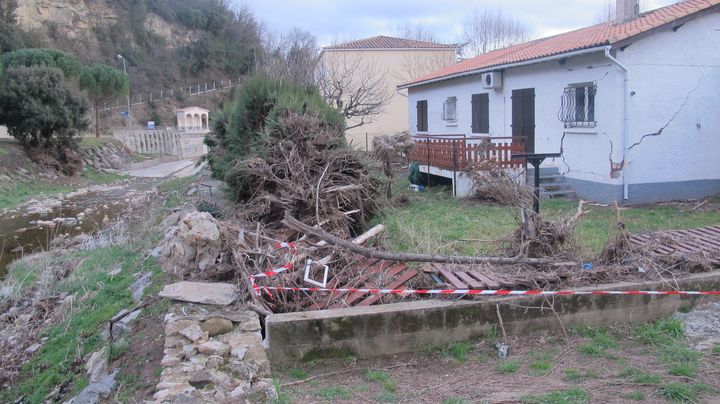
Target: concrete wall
(394, 67)
(170, 142)
(405, 327)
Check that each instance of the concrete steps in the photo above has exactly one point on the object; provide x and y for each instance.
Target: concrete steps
(552, 183)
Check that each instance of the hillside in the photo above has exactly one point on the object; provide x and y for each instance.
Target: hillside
(167, 43)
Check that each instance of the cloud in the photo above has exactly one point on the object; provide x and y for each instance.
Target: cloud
(343, 19)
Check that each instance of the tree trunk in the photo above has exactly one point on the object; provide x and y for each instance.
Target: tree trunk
(97, 119)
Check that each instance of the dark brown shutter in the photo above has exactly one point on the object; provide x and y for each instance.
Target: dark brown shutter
(422, 118)
(480, 113)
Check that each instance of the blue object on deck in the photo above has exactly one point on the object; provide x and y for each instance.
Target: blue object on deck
(417, 188)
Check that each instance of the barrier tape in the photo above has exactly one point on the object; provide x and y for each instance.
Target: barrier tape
(486, 292)
(481, 292)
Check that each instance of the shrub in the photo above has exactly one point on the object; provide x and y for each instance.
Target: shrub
(40, 109)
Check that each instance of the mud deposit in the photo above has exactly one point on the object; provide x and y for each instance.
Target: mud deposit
(52, 220)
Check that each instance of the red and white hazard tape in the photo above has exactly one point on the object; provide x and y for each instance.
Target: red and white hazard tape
(486, 292)
(287, 267)
(483, 292)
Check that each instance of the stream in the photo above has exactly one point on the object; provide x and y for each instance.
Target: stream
(32, 226)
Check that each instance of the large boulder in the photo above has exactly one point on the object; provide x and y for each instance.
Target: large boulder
(193, 245)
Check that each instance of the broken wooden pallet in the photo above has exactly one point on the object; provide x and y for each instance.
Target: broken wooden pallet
(475, 279)
(387, 274)
(704, 241)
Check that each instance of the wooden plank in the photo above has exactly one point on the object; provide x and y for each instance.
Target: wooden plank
(396, 284)
(353, 297)
(469, 280)
(452, 279)
(492, 284)
(704, 238)
(368, 267)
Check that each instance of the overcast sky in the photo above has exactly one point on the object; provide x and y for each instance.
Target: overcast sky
(329, 20)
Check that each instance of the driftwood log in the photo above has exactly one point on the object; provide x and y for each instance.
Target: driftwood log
(295, 224)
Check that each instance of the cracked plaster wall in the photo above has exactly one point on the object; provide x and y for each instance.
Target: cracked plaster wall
(676, 80)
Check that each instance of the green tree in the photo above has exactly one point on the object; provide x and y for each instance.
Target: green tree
(10, 37)
(40, 109)
(102, 83)
(40, 57)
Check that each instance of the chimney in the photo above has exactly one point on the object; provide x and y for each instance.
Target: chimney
(626, 10)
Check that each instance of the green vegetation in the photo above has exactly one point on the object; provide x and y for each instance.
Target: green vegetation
(678, 392)
(40, 57)
(435, 222)
(540, 367)
(97, 177)
(577, 375)
(660, 332)
(635, 396)
(250, 121)
(458, 351)
(102, 84)
(379, 376)
(13, 195)
(640, 376)
(334, 393)
(53, 117)
(570, 396)
(716, 348)
(298, 374)
(508, 366)
(79, 334)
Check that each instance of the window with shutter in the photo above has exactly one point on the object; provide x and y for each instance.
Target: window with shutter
(449, 109)
(480, 113)
(422, 118)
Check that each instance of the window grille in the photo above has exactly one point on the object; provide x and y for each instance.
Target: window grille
(577, 106)
(449, 109)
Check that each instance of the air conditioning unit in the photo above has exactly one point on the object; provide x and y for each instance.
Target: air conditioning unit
(492, 80)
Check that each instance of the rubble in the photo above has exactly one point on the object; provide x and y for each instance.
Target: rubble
(194, 245)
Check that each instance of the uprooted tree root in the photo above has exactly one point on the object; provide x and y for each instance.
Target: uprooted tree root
(538, 237)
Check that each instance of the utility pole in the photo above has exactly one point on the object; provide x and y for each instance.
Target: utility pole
(129, 115)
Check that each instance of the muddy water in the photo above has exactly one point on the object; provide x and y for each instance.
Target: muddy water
(32, 227)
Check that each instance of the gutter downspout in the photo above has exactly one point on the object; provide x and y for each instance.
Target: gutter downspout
(626, 119)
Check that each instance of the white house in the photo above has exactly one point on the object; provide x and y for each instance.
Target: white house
(632, 104)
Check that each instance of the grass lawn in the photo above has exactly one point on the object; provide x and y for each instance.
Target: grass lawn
(435, 222)
(11, 196)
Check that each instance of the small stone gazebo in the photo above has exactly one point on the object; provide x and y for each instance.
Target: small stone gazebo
(193, 119)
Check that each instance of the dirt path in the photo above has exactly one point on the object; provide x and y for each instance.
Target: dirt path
(162, 170)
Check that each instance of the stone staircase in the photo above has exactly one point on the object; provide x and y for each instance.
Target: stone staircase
(552, 183)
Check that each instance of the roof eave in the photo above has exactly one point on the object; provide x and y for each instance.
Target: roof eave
(544, 59)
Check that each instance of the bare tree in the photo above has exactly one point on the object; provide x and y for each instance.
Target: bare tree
(291, 56)
(417, 32)
(356, 88)
(489, 29)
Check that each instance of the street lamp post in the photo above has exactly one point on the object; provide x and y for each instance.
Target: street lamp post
(129, 115)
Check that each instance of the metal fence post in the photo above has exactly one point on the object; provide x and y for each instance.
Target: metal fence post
(454, 155)
(428, 162)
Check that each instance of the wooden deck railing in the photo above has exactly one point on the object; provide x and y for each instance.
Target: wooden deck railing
(458, 152)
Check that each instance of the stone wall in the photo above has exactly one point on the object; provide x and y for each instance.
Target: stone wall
(213, 355)
(170, 142)
(404, 327)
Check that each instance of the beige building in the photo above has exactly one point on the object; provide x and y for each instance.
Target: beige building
(378, 65)
(193, 119)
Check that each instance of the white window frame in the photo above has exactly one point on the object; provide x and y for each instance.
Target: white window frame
(450, 109)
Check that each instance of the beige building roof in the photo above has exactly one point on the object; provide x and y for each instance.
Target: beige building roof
(388, 42)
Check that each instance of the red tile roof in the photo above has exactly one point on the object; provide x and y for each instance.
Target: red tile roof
(584, 38)
(388, 42)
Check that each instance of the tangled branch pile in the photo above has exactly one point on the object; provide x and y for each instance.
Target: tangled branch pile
(388, 149)
(305, 172)
(498, 184)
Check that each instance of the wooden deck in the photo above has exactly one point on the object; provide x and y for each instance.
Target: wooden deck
(459, 152)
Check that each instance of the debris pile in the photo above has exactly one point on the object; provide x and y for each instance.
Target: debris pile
(495, 183)
(390, 148)
(308, 173)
